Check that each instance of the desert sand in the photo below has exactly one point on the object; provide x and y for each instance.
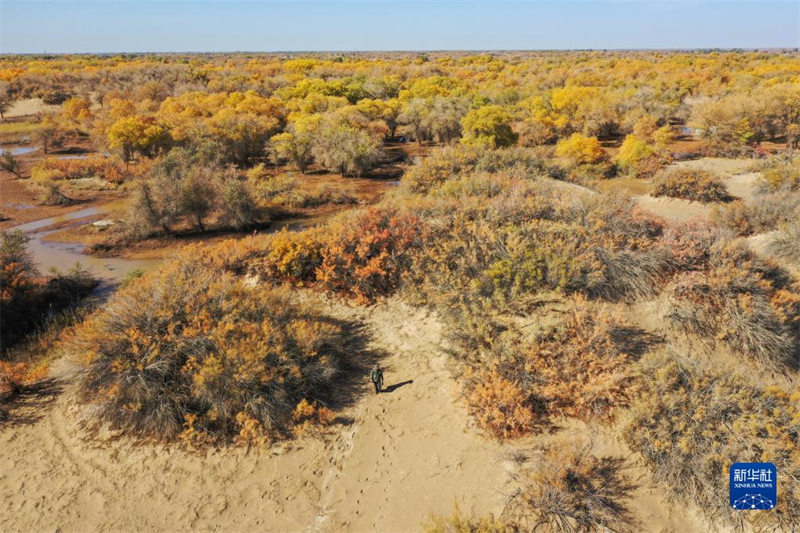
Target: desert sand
(406, 454)
(30, 106)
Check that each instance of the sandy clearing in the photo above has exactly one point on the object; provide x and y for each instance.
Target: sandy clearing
(30, 106)
(674, 209)
(744, 186)
(414, 451)
(719, 165)
(732, 172)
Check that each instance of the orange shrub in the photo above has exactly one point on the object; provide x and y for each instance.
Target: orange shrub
(689, 243)
(368, 254)
(500, 406)
(233, 255)
(12, 377)
(109, 169)
(363, 254)
(582, 368)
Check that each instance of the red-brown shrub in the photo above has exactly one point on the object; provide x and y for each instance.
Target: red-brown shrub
(500, 406)
(363, 254)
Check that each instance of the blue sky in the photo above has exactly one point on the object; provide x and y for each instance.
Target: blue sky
(35, 26)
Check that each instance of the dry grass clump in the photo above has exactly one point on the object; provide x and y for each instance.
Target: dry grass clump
(363, 254)
(458, 522)
(195, 353)
(109, 169)
(768, 211)
(742, 301)
(582, 368)
(690, 184)
(53, 195)
(693, 425)
(787, 245)
(569, 490)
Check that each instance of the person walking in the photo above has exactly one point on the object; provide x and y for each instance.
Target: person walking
(377, 378)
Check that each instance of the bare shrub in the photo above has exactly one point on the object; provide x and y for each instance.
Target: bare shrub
(54, 196)
(10, 163)
(568, 489)
(346, 150)
(237, 206)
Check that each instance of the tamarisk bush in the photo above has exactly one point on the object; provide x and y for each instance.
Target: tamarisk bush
(742, 301)
(690, 184)
(691, 425)
(193, 352)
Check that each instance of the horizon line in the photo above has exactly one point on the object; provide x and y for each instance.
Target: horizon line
(417, 51)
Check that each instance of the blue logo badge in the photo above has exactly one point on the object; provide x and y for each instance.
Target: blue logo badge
(754, 486)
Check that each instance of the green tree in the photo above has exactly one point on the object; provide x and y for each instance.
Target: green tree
(9, 162)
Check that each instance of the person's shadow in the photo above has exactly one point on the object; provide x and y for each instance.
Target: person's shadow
(392, 388)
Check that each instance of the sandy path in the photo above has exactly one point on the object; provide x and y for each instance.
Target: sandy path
(413, 451)
(407, 454)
